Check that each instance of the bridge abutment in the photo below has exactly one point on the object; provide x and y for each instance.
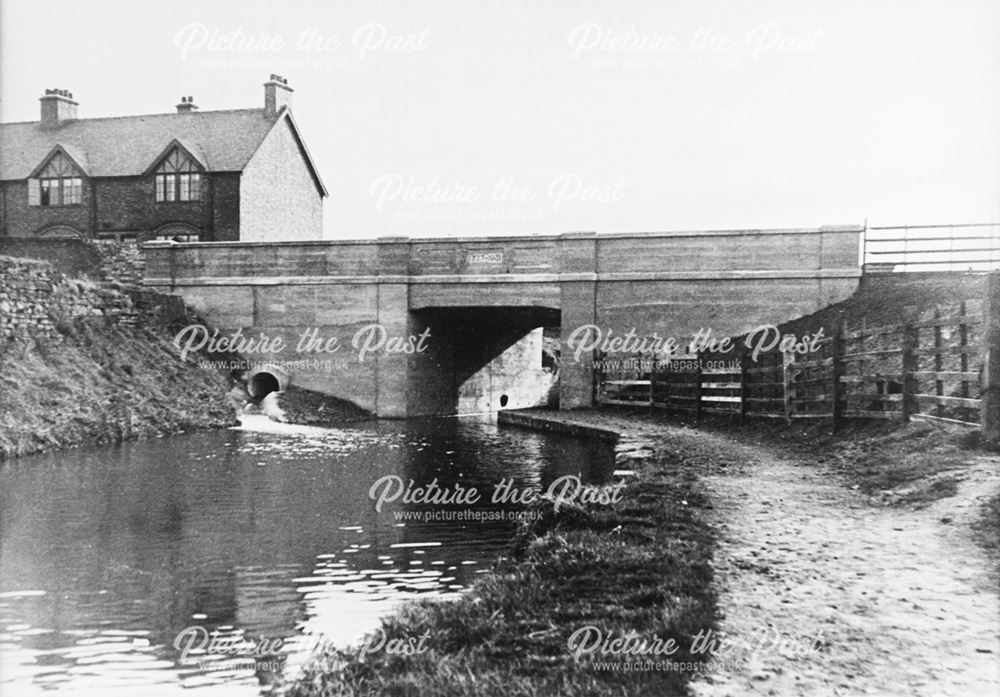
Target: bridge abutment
(578, 306)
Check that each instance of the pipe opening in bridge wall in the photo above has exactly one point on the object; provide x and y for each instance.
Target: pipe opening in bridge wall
(265, 380)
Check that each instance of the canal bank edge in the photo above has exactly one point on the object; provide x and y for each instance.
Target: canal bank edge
(640, 567)
(556, 422)
(88, 363)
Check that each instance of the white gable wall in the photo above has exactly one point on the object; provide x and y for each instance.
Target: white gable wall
(279, 200)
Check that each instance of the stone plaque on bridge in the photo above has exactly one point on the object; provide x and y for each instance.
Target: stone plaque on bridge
(485, 258)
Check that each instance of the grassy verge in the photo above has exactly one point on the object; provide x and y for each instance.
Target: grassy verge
(987, 529)
(912, 464)
(897, 464)
(640, 565)
(102, 384)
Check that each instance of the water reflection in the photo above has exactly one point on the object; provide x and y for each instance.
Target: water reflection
(106, 554)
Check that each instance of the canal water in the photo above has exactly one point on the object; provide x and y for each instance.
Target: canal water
(264, 536)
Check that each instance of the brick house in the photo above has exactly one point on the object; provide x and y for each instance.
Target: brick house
(243, 174)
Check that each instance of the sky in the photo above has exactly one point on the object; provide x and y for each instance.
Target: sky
(446, 118)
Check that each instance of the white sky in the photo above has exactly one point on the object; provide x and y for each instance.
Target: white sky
(815, 113)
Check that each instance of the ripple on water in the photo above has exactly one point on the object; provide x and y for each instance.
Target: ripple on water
(108, 553)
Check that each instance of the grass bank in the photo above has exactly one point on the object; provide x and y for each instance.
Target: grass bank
(894, 464)
(916, 465)
(987, 529)
(638, 568)
(98, 380)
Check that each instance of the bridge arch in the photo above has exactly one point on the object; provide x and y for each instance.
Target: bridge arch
(485, 358)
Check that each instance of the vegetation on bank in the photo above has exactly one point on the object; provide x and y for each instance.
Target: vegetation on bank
(911, 464)
(83, 362)
(103, 383)
(893, 464)
(896, 464)
(987, 529)
(641, 565)
(311, 408)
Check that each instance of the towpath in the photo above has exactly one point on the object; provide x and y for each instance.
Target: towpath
(823, 593)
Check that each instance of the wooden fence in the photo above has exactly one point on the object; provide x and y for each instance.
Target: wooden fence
(941, 365)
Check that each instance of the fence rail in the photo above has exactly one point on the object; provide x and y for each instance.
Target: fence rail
(955, 247)
(941, 365)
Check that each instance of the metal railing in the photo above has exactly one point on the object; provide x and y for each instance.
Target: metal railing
(953, 247)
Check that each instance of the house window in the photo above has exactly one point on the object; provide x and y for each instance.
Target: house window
(59, 183)
(178, 178)
(176, 232)
(179, 237)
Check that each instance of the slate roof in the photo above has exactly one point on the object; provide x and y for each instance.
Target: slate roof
(128, 145)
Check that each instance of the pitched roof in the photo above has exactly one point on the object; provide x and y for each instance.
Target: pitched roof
(127, 145)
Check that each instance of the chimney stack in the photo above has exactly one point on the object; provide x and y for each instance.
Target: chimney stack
(57, 106)
(277, 95)
(186, 105)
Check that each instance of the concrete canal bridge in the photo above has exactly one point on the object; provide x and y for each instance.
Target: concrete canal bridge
(427, 314)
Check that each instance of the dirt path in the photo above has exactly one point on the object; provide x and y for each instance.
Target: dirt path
(900, 602)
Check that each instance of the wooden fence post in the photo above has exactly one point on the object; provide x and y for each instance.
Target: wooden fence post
(909, 367)
(938, 362)
(990, 406)
(652, 383)
(597, 377)
(837, 368)
(788, 359)
(743, 385)
(697, 388)
(963, 339)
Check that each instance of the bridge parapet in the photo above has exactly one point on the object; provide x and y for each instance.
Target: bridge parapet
(623, 256)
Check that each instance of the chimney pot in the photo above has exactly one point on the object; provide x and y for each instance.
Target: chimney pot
(57, 106)
(186, 105)
(277, 95)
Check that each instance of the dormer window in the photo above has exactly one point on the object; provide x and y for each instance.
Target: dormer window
(58, 184)
(178, 178)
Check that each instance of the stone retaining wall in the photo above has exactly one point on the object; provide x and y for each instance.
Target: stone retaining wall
(100, 260)
(37, 302)
(121, 261)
